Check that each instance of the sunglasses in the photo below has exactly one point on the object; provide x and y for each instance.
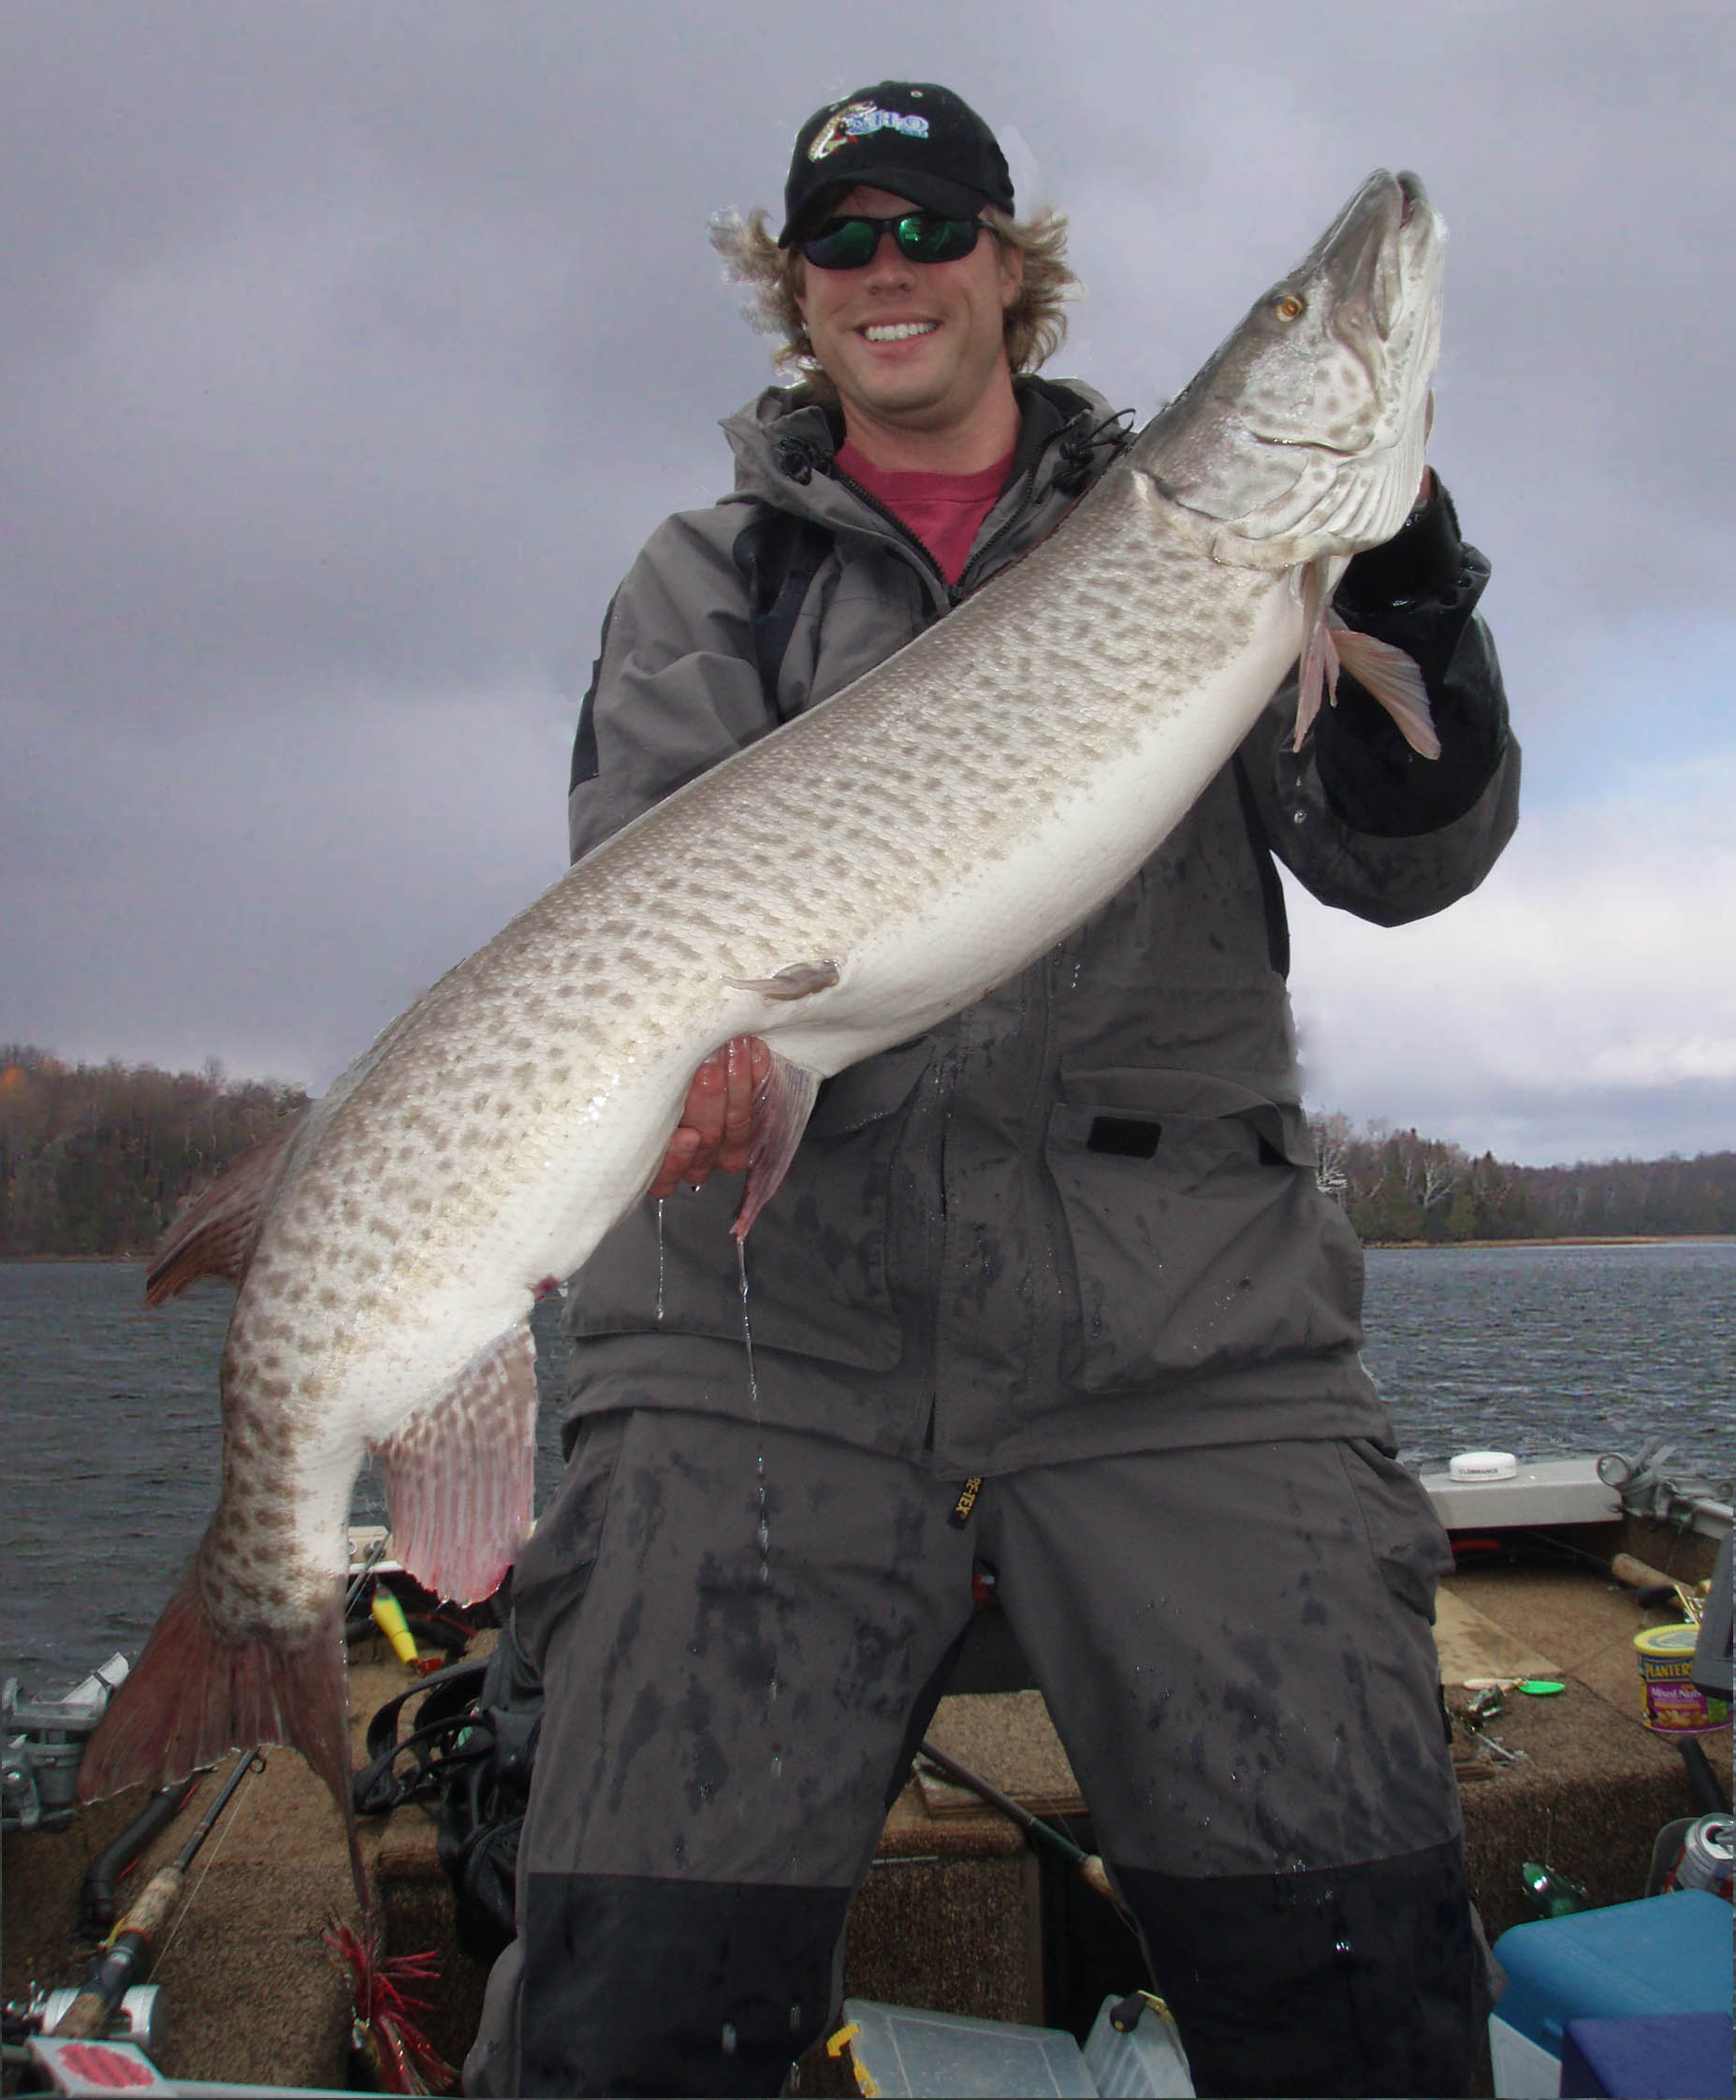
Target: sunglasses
(923, 237)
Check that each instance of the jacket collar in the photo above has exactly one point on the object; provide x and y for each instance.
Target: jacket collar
(786, 441)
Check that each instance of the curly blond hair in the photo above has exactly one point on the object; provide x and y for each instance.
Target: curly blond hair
(1035, 323)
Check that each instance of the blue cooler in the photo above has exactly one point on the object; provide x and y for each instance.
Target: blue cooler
(1660, 2056)
(1668, 1954)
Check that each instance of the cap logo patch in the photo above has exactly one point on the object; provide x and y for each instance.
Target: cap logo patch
(860, 120)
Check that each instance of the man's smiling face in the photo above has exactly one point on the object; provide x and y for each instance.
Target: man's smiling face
(908, 345)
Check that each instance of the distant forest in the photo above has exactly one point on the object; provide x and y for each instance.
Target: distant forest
(1401, 1188)
(98, 1159)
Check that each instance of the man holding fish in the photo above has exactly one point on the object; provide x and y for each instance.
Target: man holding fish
(1048, 1296)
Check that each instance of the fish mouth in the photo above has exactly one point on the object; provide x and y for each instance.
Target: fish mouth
(1382, 246)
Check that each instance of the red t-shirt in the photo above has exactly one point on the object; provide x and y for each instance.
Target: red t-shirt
(943, 510)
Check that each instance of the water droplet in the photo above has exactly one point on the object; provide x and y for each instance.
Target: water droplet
(763, 1528)
(659, 1260)
(729, 2038)
(777, 1764)
(795, 2020)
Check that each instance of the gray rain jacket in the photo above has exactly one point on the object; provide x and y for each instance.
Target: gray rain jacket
(1081, 1217)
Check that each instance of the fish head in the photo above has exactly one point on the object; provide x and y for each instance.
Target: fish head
(1303, 435)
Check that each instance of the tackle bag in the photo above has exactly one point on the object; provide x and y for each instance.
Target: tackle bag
(471, 1749)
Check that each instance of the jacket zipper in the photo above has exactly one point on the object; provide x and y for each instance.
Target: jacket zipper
(897, 524)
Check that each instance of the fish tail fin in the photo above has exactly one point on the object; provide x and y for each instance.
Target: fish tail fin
(195, 1695)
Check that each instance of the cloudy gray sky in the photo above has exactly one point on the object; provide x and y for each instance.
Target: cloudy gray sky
(348, 352)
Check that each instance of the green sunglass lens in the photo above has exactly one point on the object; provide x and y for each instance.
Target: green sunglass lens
(925, 239)
(848, 243)
(855, 242)
(937, 239)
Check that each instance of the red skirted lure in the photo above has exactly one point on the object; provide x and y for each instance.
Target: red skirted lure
(384, 2030)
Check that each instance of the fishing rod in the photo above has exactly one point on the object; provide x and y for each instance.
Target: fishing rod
(128, 1950)
(1090, 1864)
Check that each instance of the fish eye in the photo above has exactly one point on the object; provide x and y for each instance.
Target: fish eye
(1289, 308)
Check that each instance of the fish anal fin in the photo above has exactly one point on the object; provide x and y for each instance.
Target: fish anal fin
(458, 1473)
(794, 981)
(1388, 675)
(216, 1236)
(782, 1105)
(196, 1695)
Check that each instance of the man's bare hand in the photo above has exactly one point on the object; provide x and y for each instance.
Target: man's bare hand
(712, 1135)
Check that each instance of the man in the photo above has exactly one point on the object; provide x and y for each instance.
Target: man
(1051, 1291)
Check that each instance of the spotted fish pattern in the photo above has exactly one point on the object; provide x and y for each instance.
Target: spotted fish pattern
(850, 880)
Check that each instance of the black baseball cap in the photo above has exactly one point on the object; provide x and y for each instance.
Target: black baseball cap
(910, 137)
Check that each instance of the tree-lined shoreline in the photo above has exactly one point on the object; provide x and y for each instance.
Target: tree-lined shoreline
(96, 1162)
(1399, 1188)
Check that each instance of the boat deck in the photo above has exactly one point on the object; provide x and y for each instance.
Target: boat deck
(953, 1916)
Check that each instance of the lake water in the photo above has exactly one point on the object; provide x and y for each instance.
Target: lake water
(109, 1411)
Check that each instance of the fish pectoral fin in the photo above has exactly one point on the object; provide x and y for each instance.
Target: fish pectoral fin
(1318, 678)
(794, 981)
(458, 1473)
(197, 1694)
(216, 1238)
(781, 1106)
(1388, 675)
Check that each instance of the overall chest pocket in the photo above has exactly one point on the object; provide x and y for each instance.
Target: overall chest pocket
(1196, 1239)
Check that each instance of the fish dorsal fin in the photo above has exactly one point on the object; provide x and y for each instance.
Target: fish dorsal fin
(781, 1106)
(216, 1237)
(458, 1473)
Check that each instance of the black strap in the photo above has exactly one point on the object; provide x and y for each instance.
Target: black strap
(779, 555)
(448, 1710)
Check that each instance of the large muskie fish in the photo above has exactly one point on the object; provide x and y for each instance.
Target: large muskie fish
(836, 888)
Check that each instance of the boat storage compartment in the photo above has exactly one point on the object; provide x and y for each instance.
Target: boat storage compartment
(1662, 1956)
